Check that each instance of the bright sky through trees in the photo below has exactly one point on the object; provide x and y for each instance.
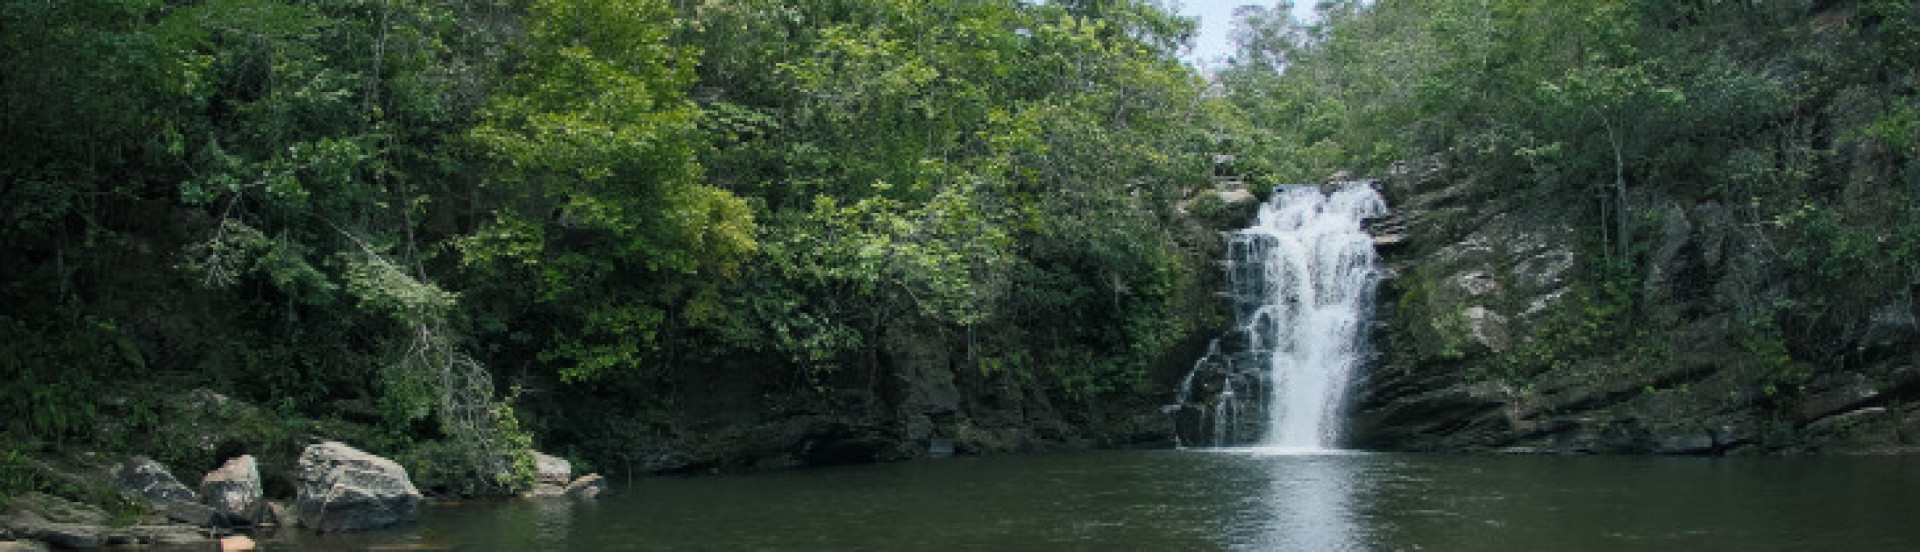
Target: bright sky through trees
(1212, 47)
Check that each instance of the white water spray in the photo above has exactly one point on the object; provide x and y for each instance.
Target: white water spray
(1301, 280)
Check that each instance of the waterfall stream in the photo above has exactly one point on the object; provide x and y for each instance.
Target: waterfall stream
(1301, 280)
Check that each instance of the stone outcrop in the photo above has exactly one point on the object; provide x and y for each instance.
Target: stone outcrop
(551, 475)
(143, 479)
(234, 492)
(1480, 336)
(65, 524)
(341, 488)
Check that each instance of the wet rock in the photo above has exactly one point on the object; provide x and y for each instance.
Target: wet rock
(22, 546)
(143, 479)
(341, 488)
(234, 492)
(587, 487)
(1684, 443)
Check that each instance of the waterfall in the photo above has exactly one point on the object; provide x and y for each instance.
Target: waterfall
(1301, 282)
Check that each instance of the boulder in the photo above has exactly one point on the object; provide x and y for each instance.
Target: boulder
(587, 487)
(58, 534)
(191, 513)
(341, 488)
(22, 546)
(552, 469)
(143, 479)
(233, 491)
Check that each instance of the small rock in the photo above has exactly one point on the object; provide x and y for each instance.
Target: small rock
(341, 488)
(236, 544)
(233, 491)
(144, 479)
(587, 487)
(552, 469)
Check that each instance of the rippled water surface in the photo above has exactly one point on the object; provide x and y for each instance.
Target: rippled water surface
(1238, 500)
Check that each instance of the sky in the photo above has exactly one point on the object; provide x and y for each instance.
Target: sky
(1216, 24)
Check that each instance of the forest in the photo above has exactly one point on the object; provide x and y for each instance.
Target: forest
(455, 231)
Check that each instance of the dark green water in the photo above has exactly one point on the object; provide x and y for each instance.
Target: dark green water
(1168, 500)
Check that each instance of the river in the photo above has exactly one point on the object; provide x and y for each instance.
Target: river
(1213, 500)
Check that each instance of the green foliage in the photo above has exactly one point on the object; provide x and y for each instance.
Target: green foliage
(966, 165)
(597, 129)
(16, 476)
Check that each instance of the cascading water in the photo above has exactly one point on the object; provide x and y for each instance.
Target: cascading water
(1301, 280)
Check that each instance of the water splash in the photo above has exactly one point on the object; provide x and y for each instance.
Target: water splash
(1301, 280)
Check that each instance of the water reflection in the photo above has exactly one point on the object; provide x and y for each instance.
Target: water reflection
(1312, 501)
(1247, 499)
(554, 516)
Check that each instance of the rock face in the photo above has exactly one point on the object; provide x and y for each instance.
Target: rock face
(143, 479)
(67, 524)
(1488, 340)
(234, 492)
(343, 489)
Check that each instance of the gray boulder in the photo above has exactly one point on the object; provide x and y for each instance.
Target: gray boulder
(552, 469)
(341, 488)
(233, 491)
(143, 479)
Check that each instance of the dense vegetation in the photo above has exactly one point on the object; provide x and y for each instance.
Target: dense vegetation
(1642, 124)
(463, 225)
(455, 229)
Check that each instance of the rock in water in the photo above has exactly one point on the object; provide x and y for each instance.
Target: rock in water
(234, 491)
(587, 487)
(343, 489)
(144, 479)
